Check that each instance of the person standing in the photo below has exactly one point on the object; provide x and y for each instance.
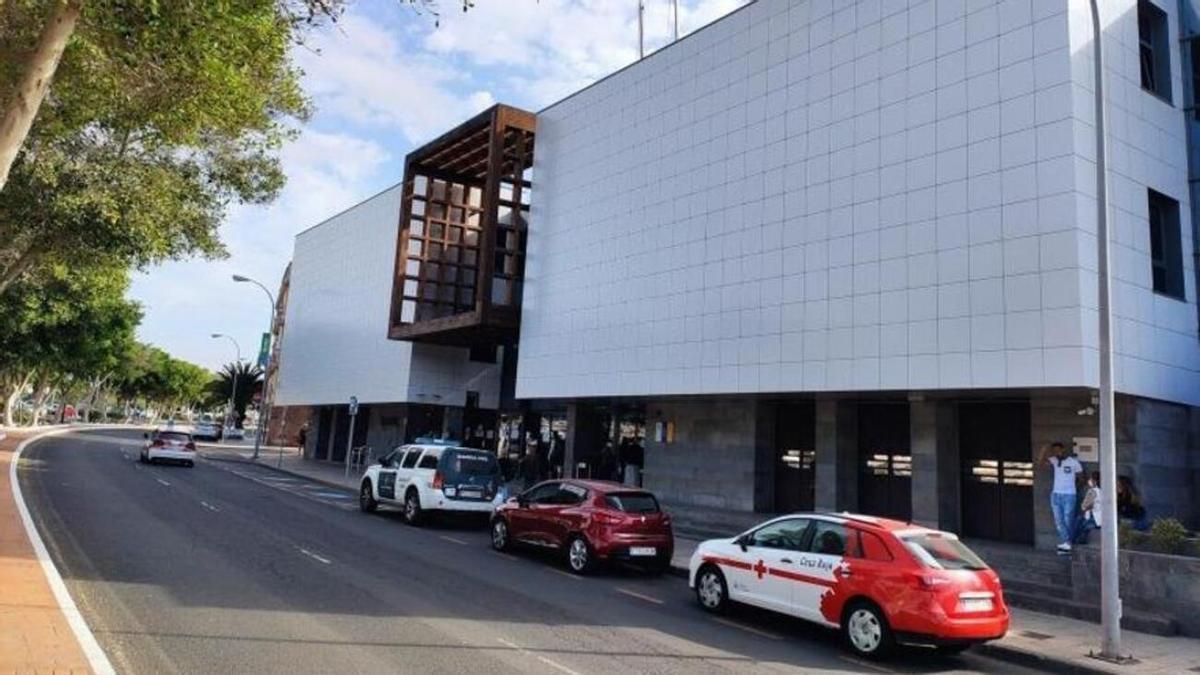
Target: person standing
(1062, 497)
(1089, 509)
(302, 437)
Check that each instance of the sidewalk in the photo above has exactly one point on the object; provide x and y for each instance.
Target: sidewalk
(1043, 641)
(35, 635)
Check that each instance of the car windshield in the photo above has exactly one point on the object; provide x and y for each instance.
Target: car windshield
(632, 502)
(173, 436)
(941, 552)
(465, 463)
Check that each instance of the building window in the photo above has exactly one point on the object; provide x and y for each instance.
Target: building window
(1166, 247)
(1154, 49)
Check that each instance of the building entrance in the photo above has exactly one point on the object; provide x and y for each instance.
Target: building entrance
(884, 460)
(795, 457)
(997, 470)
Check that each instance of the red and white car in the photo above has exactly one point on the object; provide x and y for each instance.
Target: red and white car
(174, 445)
(879, 581)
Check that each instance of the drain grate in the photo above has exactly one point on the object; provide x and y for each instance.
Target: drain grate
(1034, 635)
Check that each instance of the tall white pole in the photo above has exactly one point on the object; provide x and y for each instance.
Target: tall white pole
(1110, 579)
(264, 410)
(641, 30)
(675, 18)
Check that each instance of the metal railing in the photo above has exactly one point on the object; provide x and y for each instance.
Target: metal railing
(360, 458)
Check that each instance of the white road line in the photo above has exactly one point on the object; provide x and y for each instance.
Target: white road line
(452, 540)
(162, 482)
(87, 641)
(314, 556)
(865, 664)
(568, 575)
(210, 507)
(639, 596)
(509, 556)
(553, 664)
(748, 629)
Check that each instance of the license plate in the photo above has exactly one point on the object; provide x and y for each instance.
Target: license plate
(470, 492)
(976, 604)
(642, 550)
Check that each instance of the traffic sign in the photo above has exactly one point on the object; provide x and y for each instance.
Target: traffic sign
(353, 406)
(264, 352)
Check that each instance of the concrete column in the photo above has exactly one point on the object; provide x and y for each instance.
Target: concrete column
(765, 422)
(571, 447)
(837, 455)
(933, 426)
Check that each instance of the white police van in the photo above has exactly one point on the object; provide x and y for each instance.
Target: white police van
(432, 476)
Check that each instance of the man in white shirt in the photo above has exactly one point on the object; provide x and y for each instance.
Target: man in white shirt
(1062, 498)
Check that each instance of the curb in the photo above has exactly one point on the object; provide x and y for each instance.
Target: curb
(243, 460)
(1037, 661)
(97, 659)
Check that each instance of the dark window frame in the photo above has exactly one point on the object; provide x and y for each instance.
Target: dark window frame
(1166, 246)
(1154, 50)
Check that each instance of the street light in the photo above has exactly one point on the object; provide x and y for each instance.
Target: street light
(265, 410)
(229, 417)
(1110, 579)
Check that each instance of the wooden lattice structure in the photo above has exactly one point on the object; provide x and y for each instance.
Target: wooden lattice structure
(460, 256)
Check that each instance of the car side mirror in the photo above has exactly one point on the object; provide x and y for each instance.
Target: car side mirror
(383, 461)
(522, 501)
(743, 541)
(146, 435)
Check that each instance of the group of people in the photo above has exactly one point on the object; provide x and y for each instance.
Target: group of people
(1074, 516)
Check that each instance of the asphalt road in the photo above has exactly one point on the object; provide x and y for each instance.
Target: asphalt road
(231, 567)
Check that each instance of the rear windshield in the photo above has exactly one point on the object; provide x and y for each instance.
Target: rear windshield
(632, 502)
(173, 436)
(940, 552)
(467, 463)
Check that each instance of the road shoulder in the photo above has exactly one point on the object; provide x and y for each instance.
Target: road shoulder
(41, 629)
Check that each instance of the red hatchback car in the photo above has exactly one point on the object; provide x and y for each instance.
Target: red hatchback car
(590, 522)
(880, 581)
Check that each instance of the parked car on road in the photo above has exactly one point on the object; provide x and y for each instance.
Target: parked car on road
(207, 429)
(879, 581)
(235, 433)
(590, 522)
(173, 445)
(432, 477)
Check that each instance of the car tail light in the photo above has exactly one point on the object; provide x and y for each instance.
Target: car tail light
(608, 518)
(158, 443)
(930, 582)
(190, 446)
(438, 480)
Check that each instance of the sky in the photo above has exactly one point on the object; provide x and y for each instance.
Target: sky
(384, 80)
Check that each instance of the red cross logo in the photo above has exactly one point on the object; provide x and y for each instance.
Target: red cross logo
(760, 569)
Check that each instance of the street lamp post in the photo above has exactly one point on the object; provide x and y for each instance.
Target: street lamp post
(1110, 580)
(229, 417)
(265, 410)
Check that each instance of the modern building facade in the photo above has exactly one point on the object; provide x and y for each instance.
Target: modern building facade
(842, 255)
(817, 254)
(336, 345)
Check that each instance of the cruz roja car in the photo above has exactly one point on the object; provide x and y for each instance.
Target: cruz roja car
(432, 476)
(173, 445)
(879, 581)
(589, 522)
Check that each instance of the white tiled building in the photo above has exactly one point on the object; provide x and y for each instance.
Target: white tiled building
(822, 205)
(336, 345)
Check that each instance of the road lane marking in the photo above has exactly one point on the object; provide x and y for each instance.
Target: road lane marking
(639, 596)
(749, 629)
(210, 507)
(314, 556)
(573, 577)
(163, 482)
(866, 664)
(539, 657)
(509, 556)
(97, 659)
(460, 542)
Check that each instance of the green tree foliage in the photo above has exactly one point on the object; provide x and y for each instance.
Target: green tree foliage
(66, 322)
(249, 379)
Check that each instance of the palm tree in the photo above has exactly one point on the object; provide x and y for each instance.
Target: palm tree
(248, 378)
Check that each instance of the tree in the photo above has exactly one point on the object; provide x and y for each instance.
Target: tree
(181, 65)
(66, 322)
(249, 382)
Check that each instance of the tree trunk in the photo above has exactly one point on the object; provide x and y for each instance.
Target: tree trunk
(24, 261)
(31, 89)
(42, 391)
(10, 401)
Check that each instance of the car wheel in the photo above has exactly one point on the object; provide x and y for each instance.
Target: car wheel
(366, 498)
(579, 555)
(711, 591)
(500, 540)
(866, 630)
(412, 508)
